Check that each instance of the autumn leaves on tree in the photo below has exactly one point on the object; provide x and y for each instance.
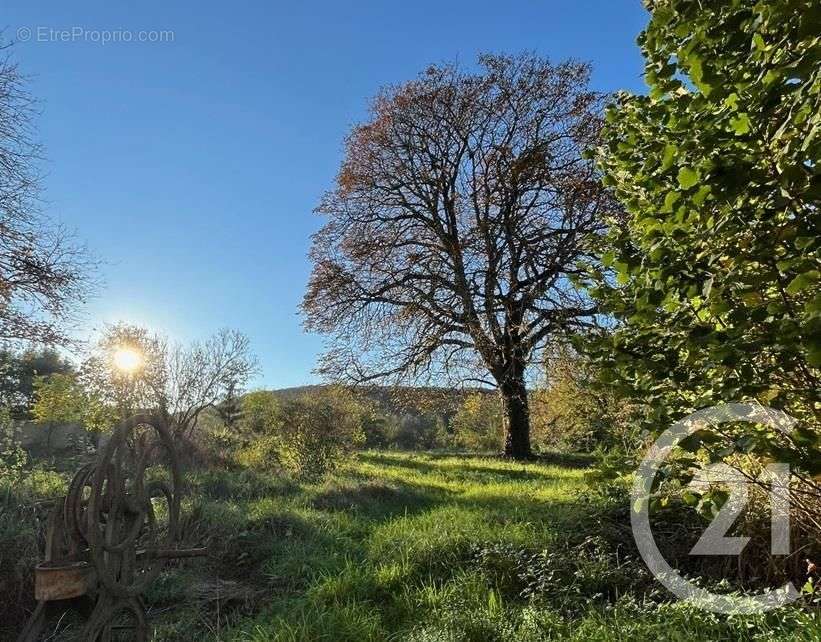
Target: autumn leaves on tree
(455, 227)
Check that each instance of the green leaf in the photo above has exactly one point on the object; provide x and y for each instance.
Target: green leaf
(719, 306)
(803, 281)
(699, 76)
(696, 71)
(687, 177)
(690, 498)
(701, 195)
(669, 201)
(740, 124)
(668, 157)
(731, 101)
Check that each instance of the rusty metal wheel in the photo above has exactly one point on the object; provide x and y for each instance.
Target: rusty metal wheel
(133, 507)
(76, 505)
(117, 619)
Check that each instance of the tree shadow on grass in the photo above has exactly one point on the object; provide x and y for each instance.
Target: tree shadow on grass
(379, 500)
(240, 485)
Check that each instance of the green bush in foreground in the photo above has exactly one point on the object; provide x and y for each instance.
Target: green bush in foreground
(713, 274)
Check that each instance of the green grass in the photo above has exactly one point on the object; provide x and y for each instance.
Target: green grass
(423, 548)
(430, 548)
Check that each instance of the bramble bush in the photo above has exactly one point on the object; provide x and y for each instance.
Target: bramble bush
(305, 436)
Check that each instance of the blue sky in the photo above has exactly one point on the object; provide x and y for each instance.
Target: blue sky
(191, 167)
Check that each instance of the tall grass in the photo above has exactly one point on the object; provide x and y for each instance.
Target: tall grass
(425, 548)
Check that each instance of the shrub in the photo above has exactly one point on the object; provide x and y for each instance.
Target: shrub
(12, 456)
(305, 436)
(477, 424)
(319, 430)
(573, 413)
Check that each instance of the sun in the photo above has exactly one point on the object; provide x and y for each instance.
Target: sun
(127, 359)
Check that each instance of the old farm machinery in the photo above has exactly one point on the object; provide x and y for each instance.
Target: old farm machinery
(113, 532)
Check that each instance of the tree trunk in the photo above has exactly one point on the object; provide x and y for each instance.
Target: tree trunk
(516, 417)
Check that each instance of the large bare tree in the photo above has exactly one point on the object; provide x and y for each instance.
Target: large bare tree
(454, 228)
(44, 274)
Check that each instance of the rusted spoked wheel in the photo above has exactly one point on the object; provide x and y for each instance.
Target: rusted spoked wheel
(133, 507)
(76, 504)
(117, 619)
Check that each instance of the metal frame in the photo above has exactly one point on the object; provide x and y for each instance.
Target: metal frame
(114, 531)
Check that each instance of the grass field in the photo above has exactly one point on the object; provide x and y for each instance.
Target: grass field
(423, 548)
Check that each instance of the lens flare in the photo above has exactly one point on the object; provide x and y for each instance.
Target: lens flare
(127, 359)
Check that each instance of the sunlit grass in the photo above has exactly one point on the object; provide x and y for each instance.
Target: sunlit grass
(385, 549)
(389, 548)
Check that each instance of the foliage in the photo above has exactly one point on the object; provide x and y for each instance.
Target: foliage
(458, 216)
(58, 400)
(175, 380)
(714, 278)
(422, 430)
(397, 417)
(13, 457)
(477, 424)
(18, 370)
(260, 411)
(571, 412)
(307, 435)
(25, 501)
(317, 431)
(230, 408)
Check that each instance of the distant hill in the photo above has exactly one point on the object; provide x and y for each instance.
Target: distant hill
(401, 400)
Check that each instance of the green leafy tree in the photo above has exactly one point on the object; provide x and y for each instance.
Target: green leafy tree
(58, 401)
(713, 278)
(477, 424)
(260, 411)
(18, 369)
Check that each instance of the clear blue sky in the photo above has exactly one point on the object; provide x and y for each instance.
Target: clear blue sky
(192, 167)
